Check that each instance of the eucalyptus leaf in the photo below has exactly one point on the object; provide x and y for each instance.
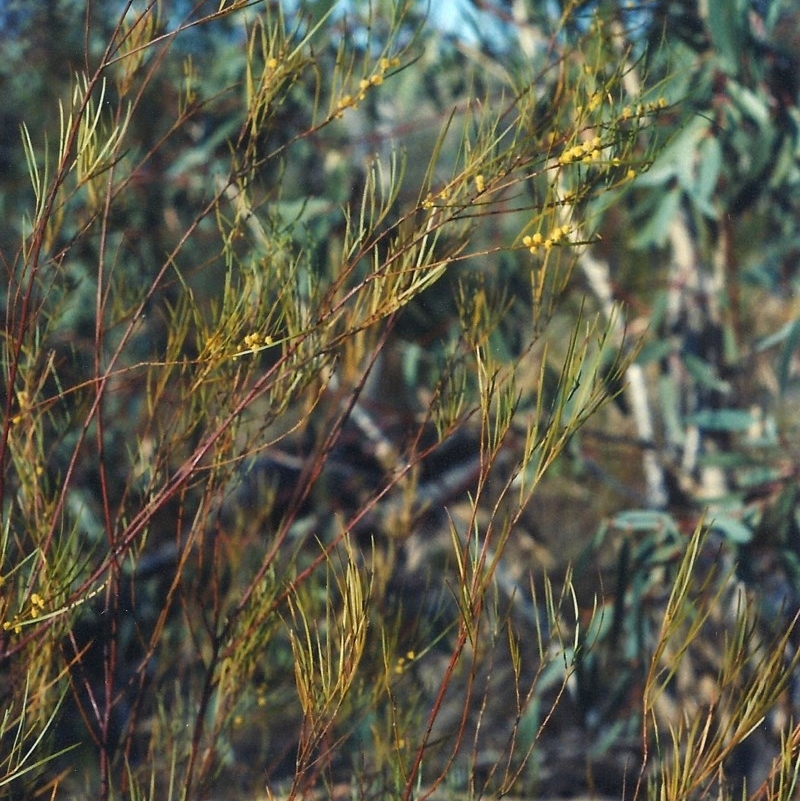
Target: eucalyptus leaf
(709, 166)
(784, 164)
(682, 147)
(636, 520)
(732, 529)
(655, 351)
(704, 373)
(655, 230)
(757, 476)
(727, 460)
(303, 211)
(791, 338)
(670, 397)
(726, 26)
(733, 420)
(751, 104)
(777, 337)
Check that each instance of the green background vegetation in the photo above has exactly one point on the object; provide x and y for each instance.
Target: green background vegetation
(393, 414)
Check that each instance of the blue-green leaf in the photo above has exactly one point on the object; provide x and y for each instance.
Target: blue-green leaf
(656, 228)
(670, 396)
(655, 351)
(644, 520)
(726, 25)
(704, 373)
(722, 419)
(789, 347)
(732, 529)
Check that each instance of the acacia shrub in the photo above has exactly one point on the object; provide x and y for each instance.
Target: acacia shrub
(216, 519)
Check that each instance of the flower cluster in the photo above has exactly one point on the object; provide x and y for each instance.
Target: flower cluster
(257, 342)
(365, 84)
(592, 104)
(403, 662)
(37, 607)
(640, 110)
(14, 625)
(443, 196)
(24, 401)
(431, 200)
(537, 240)
(585, 152)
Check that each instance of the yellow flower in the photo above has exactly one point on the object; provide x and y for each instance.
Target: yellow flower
(14, 626)
(272, 63)
(480, 183)
(256, 342)
(533, 243)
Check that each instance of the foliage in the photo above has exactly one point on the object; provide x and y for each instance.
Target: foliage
(291, 354)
